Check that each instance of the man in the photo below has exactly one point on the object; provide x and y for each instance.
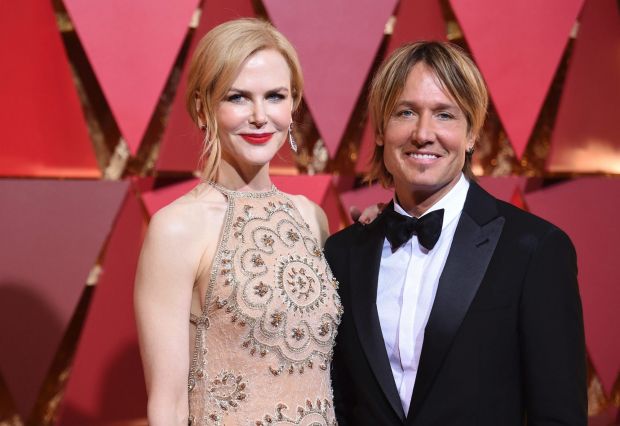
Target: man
(469, 315)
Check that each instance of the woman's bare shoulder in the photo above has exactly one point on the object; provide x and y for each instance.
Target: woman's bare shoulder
(313, 214)
(190, 215)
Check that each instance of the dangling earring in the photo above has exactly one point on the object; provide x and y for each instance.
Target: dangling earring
(291, 139)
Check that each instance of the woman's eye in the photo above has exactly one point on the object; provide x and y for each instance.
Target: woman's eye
(236, 98)
(276, 97)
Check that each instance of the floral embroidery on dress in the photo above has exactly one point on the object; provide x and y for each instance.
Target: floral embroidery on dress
(311, 414)
(269, 319)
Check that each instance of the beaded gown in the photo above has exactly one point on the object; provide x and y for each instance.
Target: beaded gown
(265, 337)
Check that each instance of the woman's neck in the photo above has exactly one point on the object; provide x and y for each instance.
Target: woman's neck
(252, 179)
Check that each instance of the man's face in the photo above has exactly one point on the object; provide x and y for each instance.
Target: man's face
(426, 137)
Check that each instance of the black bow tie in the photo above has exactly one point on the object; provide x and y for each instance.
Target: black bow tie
(400, 228)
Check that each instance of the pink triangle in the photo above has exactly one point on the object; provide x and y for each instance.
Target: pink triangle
(502, 187)
(53, 232)
(182, 141)
(587, 209)
(586, 138)
(44, 133)
(106, 384)
(416, 20)
(132, 46)
(337, 42)
(518, 46)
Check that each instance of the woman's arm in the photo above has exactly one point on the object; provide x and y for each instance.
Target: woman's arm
(163, 293)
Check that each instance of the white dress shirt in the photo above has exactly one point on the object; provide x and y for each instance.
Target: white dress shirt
(408, 280)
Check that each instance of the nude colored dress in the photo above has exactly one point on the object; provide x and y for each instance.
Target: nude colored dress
(265, 337)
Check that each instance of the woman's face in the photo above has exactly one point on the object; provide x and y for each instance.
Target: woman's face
(254, 116)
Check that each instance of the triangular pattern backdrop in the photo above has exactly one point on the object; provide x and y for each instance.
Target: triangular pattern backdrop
(58, 231)
(43, 128)
(53, 232)
(132, 62)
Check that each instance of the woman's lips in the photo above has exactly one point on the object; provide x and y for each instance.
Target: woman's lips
(257, 138)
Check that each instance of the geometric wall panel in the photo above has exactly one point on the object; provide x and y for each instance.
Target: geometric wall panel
(586, 136)
(106, 384)
(518, 46)
(503, 187)
(587, 209)
(52, 233)
(337, 42)
(131, 46)
(182, 140)
(415, 20)
(43, 132)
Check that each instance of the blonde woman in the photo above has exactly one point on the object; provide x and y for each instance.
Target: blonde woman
(236, 307)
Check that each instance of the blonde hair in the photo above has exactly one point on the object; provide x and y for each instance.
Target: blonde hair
(214, 67)
(455, 71)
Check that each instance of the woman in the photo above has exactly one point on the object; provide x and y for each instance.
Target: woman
(236, 307)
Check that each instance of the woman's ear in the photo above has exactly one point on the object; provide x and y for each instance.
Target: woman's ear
(198, 106)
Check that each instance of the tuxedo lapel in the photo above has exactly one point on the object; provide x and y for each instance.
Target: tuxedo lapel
(474, 242)
(366, 258)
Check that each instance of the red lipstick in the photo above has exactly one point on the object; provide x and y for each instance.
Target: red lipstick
(257, 138)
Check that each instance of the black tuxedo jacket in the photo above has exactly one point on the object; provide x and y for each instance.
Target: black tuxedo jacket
(504, 343)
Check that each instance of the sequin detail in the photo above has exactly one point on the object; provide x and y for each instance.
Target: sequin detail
(269, 318)
(311, 414)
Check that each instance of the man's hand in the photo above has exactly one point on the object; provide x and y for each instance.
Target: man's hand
(369, 214)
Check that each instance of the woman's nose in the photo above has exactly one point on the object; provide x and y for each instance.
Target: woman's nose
(258, 117)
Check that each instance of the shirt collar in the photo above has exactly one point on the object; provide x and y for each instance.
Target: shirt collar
(452, 202)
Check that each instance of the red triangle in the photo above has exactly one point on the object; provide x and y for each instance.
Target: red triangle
(132, 46)
(182, 142)
(416, 20)
(337, 42)
(518, 46)
(44, 133)
(106, 384)
(587, 209)
(53, 232)
(503, 187)
(586, 138)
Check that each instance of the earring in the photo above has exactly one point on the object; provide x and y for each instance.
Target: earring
(203, 127)
(291, 139)
(470, 151)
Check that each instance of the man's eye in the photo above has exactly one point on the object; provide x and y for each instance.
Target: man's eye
(405, 113)
(445, 116)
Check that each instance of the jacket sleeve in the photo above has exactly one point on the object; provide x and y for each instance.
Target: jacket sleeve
(336, 258)
(552, 336)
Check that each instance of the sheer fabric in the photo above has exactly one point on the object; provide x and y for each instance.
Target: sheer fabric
(264, 340)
